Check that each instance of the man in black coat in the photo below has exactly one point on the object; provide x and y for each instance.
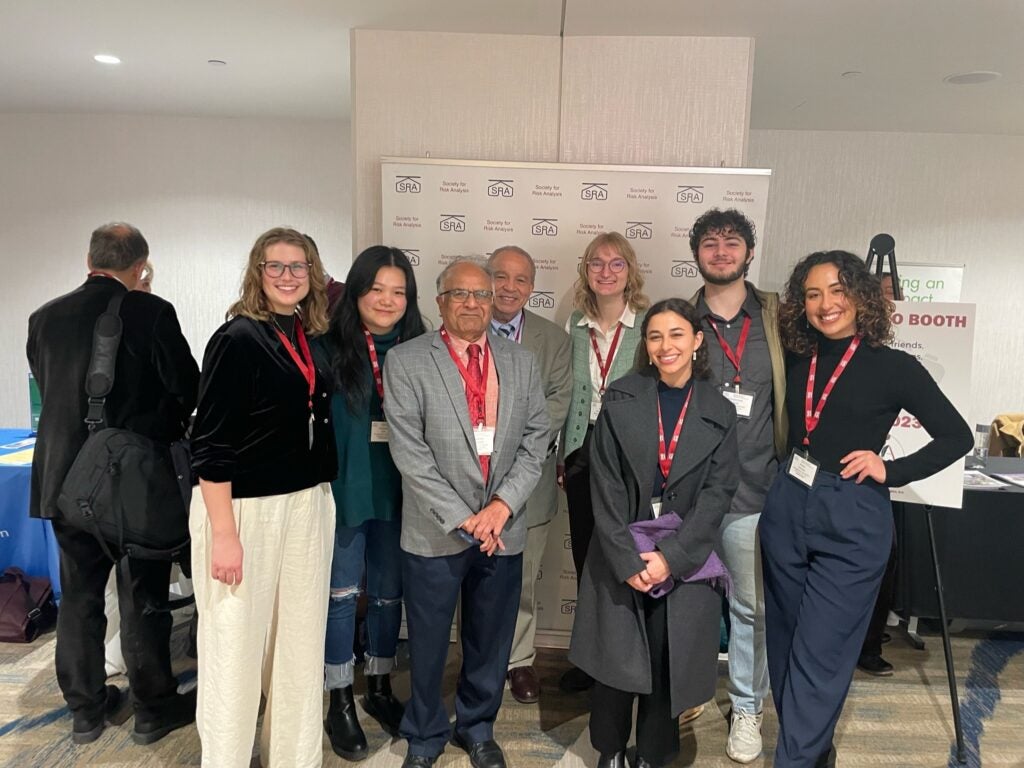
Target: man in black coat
(154, 392)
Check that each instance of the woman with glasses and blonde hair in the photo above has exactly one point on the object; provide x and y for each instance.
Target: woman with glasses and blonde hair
(262, 524)
(605, 333)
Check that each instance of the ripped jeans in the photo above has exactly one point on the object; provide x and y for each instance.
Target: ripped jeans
(371, 548)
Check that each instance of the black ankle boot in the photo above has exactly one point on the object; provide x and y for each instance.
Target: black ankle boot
(381, 705)
(342, 726)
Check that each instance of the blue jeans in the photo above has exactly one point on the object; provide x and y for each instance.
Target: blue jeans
(371, 550)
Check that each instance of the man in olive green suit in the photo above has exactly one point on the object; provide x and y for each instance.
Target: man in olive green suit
(514, 276)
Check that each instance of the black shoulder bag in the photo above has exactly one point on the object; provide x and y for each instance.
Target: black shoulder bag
(123, 487)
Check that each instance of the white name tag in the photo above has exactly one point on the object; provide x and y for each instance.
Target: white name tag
(595, 408)
(655, 508)
(484, 437)
(380, 432)
(741, 398)
(802, 467)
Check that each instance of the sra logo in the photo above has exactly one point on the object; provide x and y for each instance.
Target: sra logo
(542, 300)
(684, 268)
(690, 194)
(500, 188)
(408, 185)
(453, 222)
(568, 607)
(413, 254)
(545, 227)
(594, 190)
(639, 230)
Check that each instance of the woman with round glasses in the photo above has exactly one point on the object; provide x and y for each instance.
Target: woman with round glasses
(377, 311)
(826, 528)
(605, 333)
(262, 524)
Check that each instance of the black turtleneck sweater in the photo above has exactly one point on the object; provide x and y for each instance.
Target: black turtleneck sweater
(864, 404)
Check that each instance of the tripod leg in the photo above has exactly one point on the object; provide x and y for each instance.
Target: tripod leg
(947, 649)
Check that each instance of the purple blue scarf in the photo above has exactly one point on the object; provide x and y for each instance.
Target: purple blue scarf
(646, 535)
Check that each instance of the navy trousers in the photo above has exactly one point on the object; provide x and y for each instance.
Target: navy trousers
(489, 587)
(824, 551)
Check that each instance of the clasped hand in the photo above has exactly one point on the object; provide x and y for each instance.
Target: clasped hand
(657, 571)
(487, 524)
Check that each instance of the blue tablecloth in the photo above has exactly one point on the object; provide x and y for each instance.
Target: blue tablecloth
(25, 542)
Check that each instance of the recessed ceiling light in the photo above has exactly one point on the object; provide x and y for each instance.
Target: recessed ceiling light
(216, 62)
(972, 78)
(106, 58)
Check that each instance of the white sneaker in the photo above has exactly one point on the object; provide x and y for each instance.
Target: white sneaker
(744, 744)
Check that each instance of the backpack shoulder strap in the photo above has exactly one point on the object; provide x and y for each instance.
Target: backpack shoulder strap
(99, 377)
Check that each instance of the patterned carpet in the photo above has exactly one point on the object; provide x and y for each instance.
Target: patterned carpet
(903, 720)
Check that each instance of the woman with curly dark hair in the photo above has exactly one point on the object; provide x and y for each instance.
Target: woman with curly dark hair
(826, 528)
(665, 466)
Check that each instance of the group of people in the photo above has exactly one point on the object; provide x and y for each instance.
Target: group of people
(722, 446)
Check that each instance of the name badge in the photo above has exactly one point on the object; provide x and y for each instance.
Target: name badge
(802, 467)
(484, 437)
(655, 508)
(595, 409)
(743, 399)
(380, 432)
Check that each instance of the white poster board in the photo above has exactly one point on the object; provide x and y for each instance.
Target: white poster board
(435, 210)
(941, 336)
(931, 282)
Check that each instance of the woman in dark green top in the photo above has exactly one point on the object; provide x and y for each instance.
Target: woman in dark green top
(377, 311)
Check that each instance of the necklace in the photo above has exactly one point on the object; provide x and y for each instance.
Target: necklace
(277, 325)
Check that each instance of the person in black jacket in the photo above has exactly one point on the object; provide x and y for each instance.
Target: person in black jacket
(153, 394)
(826, 529)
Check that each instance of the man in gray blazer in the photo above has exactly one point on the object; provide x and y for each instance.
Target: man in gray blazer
(514, 277)
(469, 430)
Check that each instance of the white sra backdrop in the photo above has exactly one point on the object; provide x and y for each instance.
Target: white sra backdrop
(941, 336)
(435, 210)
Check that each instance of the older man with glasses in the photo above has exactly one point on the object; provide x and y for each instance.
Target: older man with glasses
(469, 432)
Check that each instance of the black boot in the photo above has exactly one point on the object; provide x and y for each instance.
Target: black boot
(342, 726)
(380, 704)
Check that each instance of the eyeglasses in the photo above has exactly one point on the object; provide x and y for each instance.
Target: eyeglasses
(276, 268)
(460, 295)
(596, 266)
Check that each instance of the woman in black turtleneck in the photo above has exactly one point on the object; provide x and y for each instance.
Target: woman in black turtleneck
(826, 528)
(263, 523)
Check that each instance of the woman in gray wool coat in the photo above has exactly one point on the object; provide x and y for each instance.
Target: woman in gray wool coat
(664, 467)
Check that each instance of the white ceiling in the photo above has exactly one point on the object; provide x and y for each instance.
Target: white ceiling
(292, 58)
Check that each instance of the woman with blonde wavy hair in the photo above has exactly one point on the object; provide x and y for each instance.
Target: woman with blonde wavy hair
(262, 524)
(605, 333)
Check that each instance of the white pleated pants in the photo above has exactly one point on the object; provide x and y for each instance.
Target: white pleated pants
(267, 633)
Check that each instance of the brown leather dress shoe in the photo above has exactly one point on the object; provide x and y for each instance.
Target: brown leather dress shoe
(524, 684)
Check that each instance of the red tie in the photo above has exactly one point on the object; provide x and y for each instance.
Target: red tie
(477, 406)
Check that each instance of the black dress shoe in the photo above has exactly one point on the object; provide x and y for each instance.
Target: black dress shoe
(642, 762)
(613, 760)
(575, 680)
(86, 731)
(342, 726)
(178, 714)
(418, 761)
(524, 685)
(482, 754)
(874, 665)
(381, 704)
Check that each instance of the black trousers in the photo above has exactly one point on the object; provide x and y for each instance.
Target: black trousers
(611, 712)
(876, 627)
(81, 625)
(577, 495)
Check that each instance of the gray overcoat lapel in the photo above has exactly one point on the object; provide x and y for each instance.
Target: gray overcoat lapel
(696, 439)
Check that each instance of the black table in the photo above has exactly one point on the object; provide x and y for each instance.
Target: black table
(979, 549)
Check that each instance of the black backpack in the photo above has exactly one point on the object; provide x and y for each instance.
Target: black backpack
(123, 488)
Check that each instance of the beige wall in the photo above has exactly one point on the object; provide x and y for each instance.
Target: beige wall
(650, 100)
(945, 198)
(200, 190)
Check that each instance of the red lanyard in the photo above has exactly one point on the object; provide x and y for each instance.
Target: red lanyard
(476, 392)
(305, 363)
(665, 455)
(737, 356)
(605, 366)
(378, 377)
(813, 414)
